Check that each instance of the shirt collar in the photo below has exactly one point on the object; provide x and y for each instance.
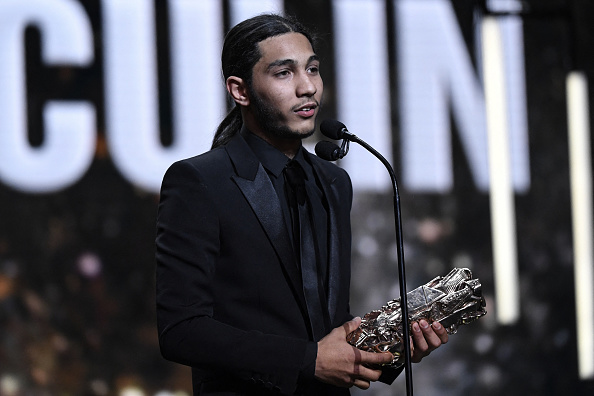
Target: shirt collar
(272, 159)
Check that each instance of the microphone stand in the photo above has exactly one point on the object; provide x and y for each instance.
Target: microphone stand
(400, 249)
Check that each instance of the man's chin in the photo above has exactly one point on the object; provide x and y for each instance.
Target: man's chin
(304, 132)
(287, 133)
(305, 135)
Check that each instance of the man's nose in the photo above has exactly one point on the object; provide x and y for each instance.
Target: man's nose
(306, 86)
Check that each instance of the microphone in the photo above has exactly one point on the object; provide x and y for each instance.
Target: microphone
(327, 150)
(336, 130)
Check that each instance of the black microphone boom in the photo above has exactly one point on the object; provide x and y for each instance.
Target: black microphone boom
(334, 129)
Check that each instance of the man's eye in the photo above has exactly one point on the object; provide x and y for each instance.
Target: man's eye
(282, 73)
(314, 69)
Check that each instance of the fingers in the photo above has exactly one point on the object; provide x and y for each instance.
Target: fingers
(440, 331)
(426, 338)
(362, 384)
(368, 369)
(366, 363)
(369, 374)
(375, 359)
(339, 363)
(431, 337)
(352, 325)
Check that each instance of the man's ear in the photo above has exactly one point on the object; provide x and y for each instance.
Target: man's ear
(237, 88)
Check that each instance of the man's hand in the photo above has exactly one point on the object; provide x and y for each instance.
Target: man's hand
(426, 338)
(340, 364)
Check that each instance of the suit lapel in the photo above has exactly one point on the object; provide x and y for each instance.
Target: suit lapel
(256, 187)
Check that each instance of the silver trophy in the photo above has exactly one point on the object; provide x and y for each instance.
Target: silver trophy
(453, 300)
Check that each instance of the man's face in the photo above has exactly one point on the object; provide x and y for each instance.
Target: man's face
(286, 89)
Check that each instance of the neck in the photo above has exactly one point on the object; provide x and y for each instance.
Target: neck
(286, 145)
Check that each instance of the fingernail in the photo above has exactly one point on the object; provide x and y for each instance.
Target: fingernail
(437, 325)
(423, 323)
(416, 327)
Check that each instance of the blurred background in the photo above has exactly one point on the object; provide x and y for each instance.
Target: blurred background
(97, 97)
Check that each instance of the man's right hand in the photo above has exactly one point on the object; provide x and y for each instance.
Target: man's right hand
(340, 364)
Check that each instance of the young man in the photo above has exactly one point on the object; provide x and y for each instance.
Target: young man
(253, 238)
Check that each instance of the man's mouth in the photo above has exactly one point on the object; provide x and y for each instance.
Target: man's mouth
(307, 110)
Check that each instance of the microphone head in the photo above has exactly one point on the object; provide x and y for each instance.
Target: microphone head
(327, 150)
(333, 129)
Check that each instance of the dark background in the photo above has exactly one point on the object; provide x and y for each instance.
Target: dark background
(77, 310)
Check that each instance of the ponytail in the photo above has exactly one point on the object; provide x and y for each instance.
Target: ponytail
(228, 128)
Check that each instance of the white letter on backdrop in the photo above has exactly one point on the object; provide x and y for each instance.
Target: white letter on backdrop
(131, 84)
(69, 139)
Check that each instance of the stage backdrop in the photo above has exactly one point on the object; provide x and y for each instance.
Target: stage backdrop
(98, 97)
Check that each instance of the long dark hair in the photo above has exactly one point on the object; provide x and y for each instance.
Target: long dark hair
(241, 52)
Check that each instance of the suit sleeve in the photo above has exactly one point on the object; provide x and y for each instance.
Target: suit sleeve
(187, 246)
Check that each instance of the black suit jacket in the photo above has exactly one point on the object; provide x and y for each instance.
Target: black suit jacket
(230, 301)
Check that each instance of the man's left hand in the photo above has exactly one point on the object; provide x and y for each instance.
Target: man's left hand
(426, 338)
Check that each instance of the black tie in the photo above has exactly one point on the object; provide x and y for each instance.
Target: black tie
(304, 242)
